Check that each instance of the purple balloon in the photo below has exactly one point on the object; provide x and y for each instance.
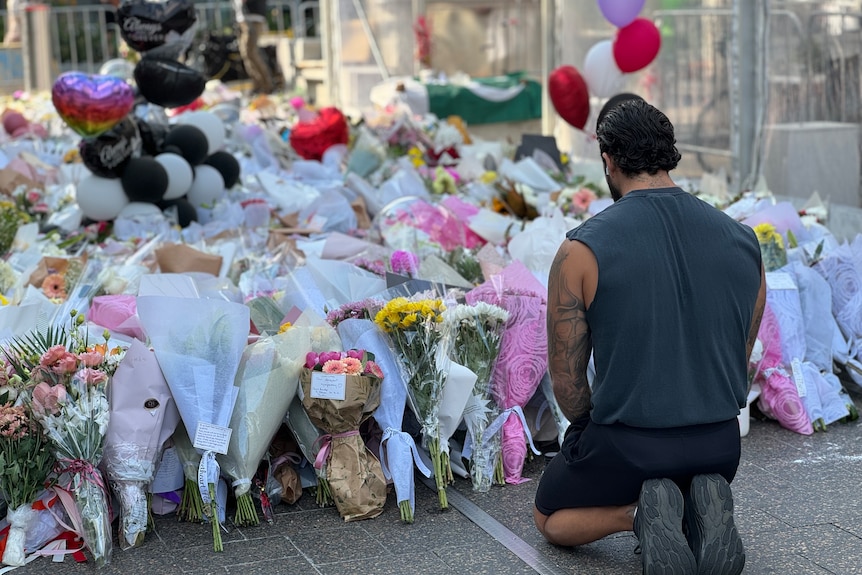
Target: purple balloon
(621, 13)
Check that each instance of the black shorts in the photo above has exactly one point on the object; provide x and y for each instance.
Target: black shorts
(605, 465)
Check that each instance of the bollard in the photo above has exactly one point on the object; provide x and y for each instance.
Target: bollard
(36, 43)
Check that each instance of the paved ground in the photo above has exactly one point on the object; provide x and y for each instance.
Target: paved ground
(798, 508)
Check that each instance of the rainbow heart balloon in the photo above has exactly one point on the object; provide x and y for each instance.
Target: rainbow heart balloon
(89, 104)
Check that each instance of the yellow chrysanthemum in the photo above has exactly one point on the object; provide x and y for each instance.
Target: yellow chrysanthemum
(284, 327)
(488, 177)
(766, 233)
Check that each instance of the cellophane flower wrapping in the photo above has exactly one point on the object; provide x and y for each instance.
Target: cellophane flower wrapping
(523, 357)
(771, 246)
(780, 396)
(25, 463)
(414, 327)
(75, 419)
(348, 397)
(268, 377)
(67, 378)
(199, 357)
(398, 452)
(143, 416)
(476, 332)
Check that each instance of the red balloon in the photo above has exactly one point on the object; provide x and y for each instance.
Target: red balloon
(636, 45)
(570, 95)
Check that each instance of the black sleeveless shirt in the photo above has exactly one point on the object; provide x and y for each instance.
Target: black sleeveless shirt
(677, 284)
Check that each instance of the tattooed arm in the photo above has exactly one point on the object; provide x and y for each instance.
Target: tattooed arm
(759, 304)
(569, 342)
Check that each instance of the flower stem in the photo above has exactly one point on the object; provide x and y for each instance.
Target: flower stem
(499, 474)
(439, 473)
(217, 543)
(406, 511)
(191, 504)
(324, 495)
(246, 514)
(151, 522)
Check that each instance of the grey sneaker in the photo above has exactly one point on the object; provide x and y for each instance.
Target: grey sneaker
(714, 539)
(658, 526)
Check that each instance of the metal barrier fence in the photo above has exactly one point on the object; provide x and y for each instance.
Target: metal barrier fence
(83, 37)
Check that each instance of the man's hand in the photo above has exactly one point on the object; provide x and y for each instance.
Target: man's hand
(569, 342)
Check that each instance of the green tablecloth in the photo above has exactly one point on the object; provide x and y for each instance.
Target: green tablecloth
(446, 100)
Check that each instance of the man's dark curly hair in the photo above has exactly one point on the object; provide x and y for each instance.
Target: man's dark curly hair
(639, 138)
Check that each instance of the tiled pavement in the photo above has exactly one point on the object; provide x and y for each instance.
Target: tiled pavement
(798, 508)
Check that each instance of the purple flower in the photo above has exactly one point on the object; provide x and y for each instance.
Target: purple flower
(404, 262)
(329, 356)
(355, 353)
(311, 360)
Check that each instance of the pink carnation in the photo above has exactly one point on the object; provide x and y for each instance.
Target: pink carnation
(53, 355)
(66, 364)
(333, 366)
(91, 358)
(352, 366)
(582, 200)
(311, 359)
(404, 262)
(92, 376)
(47, 399)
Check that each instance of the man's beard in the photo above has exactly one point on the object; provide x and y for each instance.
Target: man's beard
(615, 191)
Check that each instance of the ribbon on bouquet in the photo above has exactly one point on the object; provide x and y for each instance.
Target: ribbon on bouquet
(88, 473)
(208, 472)
(66, 543)
(495, 428)
(325, 442)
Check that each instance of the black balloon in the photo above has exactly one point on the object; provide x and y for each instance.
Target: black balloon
(190, 140)
(152, 137)
(227, 165)
(145, 24)
(145, 180)
(168, 83)
(185, 211)
(109, 153)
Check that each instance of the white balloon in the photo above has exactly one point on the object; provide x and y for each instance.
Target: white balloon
(207, 187)
(603, 76)
(135, 209)
(101, 199)
(180, 175)
(208, 123)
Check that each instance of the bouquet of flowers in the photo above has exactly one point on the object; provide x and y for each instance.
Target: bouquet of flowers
(414, 327)
(771, 246)
(268, 376)
(143, 416)
(339, 391)
(522, 361)
(69, 399)
(25, 462)
(199, 357)
(397, 451)
(477, 331)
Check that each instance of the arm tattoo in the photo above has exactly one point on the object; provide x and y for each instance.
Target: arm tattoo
(569, 341)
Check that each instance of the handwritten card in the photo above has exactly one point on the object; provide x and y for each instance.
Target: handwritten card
(210, 437)
(170, 476)
(328, 385)
(779, 280)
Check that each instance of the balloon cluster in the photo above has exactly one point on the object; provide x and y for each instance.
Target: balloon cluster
(636, 44)
(138, 166)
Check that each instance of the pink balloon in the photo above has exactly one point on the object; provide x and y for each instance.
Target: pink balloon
(636, 45)
(621, 13)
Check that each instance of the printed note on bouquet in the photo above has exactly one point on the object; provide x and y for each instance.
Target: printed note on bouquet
(328, 385)
(779, 280)
(169, 476)
(210, 437)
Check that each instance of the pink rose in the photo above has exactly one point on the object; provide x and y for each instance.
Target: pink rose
(48, 399)
(92, 376)
(33, 196)
(311, 359)
(66, 364)
(52, 356)
(329, 356)
(91, 358)
(355, 353)
(374, 369)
